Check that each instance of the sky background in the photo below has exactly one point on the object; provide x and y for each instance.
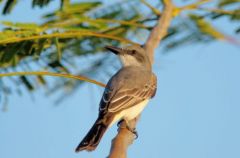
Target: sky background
(195, 113)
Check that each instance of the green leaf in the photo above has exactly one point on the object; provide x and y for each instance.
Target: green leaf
(9, 52)
(9, 6)
(40, 3)
(227, 2)
(236, 15)
(26, 82)
(72, 10)
(237, 30)
(59, 52)
(41, 80)
(22, 26)
(206, 27)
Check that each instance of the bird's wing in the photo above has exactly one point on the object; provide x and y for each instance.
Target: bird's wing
(114, 101)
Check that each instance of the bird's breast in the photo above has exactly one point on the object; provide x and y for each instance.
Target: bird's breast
(130, 113)
(134, 111)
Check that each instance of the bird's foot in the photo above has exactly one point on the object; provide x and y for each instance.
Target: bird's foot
(132, 130)
(119, 123)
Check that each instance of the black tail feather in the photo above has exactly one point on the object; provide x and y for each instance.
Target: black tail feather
(93, 137)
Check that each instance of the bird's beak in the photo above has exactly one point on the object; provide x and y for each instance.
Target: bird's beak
(115, 50)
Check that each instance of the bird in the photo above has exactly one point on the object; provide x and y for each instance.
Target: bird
(125, 95)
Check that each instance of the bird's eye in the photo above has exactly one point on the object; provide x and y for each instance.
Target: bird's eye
(133, 52)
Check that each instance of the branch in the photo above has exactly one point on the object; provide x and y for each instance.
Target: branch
(71, 34)
(153, 9)
(220, 11)
(125, 138)
(45, 73)
(195, 5)
(160, 30)
(79, 21)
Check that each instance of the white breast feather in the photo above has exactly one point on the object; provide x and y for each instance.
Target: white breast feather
(130, 113)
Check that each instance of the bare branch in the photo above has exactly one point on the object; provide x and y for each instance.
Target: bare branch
(160, 30)
(123, 139)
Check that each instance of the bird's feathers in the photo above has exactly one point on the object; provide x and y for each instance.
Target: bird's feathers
(125, 95)
(92, 139)
(127, 91)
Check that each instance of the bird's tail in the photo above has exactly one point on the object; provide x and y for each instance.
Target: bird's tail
(93, 137)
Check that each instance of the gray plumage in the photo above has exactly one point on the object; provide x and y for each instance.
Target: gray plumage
(126, 93)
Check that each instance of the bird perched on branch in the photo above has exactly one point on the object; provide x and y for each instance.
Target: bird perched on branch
(126, 94)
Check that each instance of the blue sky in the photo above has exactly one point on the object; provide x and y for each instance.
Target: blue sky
(194, 114)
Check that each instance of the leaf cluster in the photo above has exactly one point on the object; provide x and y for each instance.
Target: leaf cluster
(76, 32)
(73, 32)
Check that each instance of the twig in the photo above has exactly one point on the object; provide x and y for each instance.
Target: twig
(45, 73)
(78, 21)
(195, 5)
(153, 9)
(71, 34)
(220, 11)
(124, 138)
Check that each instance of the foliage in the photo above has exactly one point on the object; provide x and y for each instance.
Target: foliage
(80, 30)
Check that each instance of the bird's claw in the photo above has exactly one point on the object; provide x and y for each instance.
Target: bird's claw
(132, 130)
(119, 123)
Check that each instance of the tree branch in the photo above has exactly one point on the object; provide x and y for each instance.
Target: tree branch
(45, 73)
(67, 34)
(125, 138)
(153, 9)
(220, 11)
(160, 30)
(99, 20)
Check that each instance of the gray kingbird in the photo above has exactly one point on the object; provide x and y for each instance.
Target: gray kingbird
(126, 93)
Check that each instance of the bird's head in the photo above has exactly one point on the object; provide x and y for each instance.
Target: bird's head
(133, 55)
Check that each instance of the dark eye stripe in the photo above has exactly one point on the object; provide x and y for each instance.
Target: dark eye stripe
(138, 56)
(134, 52)
(131, 52)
